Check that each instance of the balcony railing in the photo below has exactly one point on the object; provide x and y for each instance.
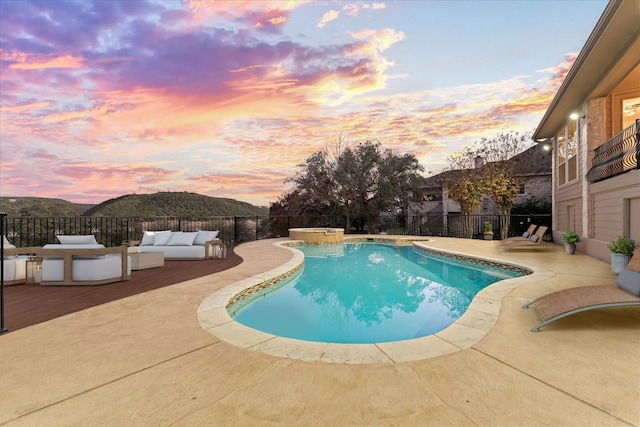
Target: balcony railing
(618, 155)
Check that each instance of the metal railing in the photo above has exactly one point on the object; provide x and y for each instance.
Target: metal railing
(233, 230)
(618, 155)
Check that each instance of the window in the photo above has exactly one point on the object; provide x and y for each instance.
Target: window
(567, 152)
(630, 111)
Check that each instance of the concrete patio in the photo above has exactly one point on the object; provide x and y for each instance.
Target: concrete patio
(146, 360)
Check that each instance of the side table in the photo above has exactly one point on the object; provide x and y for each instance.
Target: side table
(144, 260)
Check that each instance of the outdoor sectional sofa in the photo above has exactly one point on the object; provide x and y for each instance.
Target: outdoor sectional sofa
(14, 263)
(77, 260)
(180, 245)
(90, 264)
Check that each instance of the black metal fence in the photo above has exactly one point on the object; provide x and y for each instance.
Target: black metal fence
(113, 231)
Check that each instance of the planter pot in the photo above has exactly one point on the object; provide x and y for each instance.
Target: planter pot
(619, 262)
(488, 237)
(570, 248)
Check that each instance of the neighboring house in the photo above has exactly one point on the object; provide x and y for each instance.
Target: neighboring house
(596, 180)
(532, 165)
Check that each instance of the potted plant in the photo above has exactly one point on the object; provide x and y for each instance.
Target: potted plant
(570, 239)
(488, 231)
(621, 251)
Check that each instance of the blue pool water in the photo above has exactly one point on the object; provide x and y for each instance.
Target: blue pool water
(367, 293)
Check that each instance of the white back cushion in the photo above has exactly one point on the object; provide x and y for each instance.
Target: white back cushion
(182, 239)
(78, 240)
(6, 243)
(148, 238)
(205, 236)
(161, 238)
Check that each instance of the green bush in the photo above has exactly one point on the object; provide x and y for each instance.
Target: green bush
(571, 237)
(622, 245)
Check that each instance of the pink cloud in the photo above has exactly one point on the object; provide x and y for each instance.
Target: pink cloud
(122, 102)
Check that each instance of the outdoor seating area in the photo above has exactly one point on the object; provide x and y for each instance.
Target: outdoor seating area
(81, 260)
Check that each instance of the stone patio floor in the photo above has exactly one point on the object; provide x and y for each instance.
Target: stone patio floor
(153, 359)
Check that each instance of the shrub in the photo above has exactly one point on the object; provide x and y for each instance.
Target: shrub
(488, 228)
(571, 237)
(622, 245)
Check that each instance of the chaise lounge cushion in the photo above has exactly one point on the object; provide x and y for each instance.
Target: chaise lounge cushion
(629, 281)
(629, 278)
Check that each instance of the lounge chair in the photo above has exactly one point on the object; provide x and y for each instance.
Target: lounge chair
(525, 236)
(535, 239)
(556, 305)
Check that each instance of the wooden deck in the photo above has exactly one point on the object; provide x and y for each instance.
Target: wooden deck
(26, 305)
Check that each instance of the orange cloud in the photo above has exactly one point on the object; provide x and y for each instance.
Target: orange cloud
(38, 62)
(24, 108)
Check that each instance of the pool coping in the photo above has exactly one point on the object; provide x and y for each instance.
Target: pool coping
(466, 331)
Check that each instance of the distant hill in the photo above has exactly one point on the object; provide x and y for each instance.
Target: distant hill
(41, 207)
(187, 205)
(190, 205)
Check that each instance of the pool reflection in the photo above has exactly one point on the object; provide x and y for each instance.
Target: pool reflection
(369, 293)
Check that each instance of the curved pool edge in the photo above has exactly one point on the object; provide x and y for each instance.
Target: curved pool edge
(479, 318)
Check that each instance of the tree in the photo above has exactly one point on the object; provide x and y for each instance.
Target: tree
(532, 205)
(358, 183)
(485, 169)
(500, 176)
(467, 190)
(502, 186)
(399, 181)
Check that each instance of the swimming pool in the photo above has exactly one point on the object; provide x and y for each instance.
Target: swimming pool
(367, 293)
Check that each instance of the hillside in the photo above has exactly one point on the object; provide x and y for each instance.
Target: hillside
(40, 207)
(189, 205)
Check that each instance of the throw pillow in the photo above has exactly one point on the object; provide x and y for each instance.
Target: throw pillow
(182, 239)
(148, 238)
(205, 236)
(525, 234)
(634, 263)
(6, 243)
(162, 238)
(534, 238)
(78, 240)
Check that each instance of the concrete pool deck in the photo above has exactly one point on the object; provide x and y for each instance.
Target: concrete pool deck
(146, 360)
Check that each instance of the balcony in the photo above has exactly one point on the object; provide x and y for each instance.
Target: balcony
(616, 156)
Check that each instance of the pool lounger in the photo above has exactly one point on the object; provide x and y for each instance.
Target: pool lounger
(557, 305)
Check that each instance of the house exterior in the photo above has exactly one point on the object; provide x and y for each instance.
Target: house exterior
(533, 166)
(593, 125)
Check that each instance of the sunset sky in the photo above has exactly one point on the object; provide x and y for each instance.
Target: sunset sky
(224, 98)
